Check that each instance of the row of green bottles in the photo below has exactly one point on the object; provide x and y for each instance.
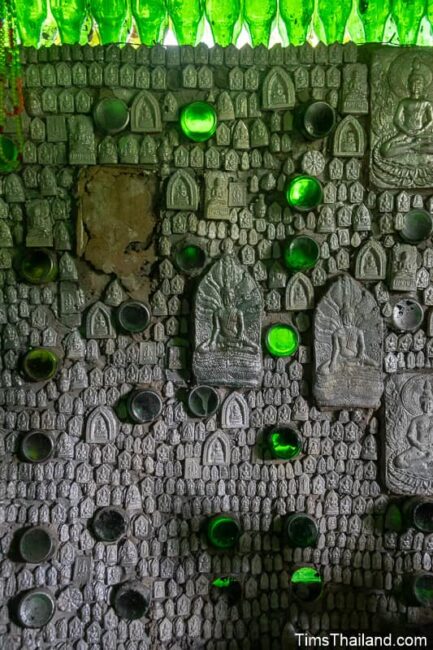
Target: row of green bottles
(224, 530)
(114, 19)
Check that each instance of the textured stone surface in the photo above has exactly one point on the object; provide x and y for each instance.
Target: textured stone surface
(116, 221)
(169, 475)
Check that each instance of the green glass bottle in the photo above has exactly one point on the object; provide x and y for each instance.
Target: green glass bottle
(37, 446)
(36, 607)
(418, 512)
(151, 19)
(40, 364)
(315, 119)
(374, 14)
(9, 155)
(190, 258)
(259, 15)
(109, 524)
(297, 18)
(300, 530)
(69, 16)
(223, 531)
(133, 316)
(36, 545)
(418, 589)
(282, 340)
(37, 265)
(407, 15)
(186, 16)
(31, 15)
(131, 600)
(334, 16)
(111, 17)
(301, 253)
(198, 121)
(223, 16)
(304, 193)
(306, 583)
(228, 587)
(284, 443)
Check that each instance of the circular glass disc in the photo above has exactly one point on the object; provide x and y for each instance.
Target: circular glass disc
(301, 253)
(306, 584)
(109, 524)
(282, 340)
(36, 545)
(36, 608)
(223, 531)
(37, 266)
(407, 315)
(203, 401)
(144, 405)
(417, 226)
(37, 446)
(40, 364)
(284, 443)
(301, 530)
(304, 193)
(198, 121)
(133, 316)
(111, 115)
(319, 120)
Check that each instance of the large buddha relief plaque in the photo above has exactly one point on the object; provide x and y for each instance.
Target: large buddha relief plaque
(348, 347)
(409, 433)
(402, 118)
(228, 314)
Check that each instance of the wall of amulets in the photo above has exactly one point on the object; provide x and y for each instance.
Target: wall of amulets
(169, 475)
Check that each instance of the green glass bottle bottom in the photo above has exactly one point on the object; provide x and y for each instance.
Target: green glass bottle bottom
(37, 266)
(284, 443)
(109, 524)
(301, 253)
(36, 608)
(111, 115)
(131, 600)
(306, 584)
(36, 545)
(37, 447)
(198, 121)
(40, 364)
(282, 340)
(190, 258)
(144, 405)
(417, 226)
(301, 530)
(422, 516)
(423, 589)
(223, 531)
(304, 193)
(133, 316)
(227, 587)
(318, 120)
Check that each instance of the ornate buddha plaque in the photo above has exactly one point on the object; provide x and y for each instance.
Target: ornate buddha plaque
(348, 347)
(228, 314)
(409, 426)
(402, 118)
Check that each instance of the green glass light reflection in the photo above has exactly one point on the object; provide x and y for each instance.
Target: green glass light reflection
(301, 253)
(198, 121)
(223, 531)
(190, 258)
(284, 443)
(306, 584)
(282, 340)
(304, 193)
